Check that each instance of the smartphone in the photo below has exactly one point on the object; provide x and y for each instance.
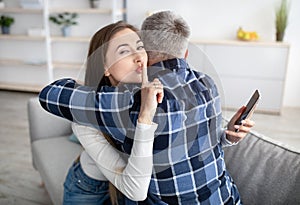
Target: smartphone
(249, 108)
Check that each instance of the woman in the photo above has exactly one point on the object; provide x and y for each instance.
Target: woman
(116, 55)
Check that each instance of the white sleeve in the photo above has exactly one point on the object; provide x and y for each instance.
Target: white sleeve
(224, 141)
(131, 178)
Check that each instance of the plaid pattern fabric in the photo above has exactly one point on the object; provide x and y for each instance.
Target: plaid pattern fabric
(189, 165)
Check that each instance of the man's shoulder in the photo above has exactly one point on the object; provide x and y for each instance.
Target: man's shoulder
(203, 78)
(208, 80)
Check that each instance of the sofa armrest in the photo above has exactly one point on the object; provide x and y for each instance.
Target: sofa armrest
(43, 124)
(265, 171)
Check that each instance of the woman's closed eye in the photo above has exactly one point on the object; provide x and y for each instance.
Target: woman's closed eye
(140, 45)
(123, 49)
(128, 51)
(139, 48)
(124, 52)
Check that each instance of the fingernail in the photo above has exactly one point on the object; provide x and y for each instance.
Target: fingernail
(236, 126)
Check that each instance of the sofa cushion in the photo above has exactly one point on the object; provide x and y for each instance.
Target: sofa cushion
(53, 157)
(265, 171)
(43, 124)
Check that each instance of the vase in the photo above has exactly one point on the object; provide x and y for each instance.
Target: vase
(66, 31)
(95, 3)
(2, 5)
(5, 29)
(279, 36)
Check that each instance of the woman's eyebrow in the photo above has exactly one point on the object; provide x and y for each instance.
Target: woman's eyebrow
(139, 41)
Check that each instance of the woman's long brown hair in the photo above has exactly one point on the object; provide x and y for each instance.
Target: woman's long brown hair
(94, 75)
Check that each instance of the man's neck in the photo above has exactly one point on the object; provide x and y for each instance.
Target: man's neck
(160, 58)
(153, 61)
(157, 60)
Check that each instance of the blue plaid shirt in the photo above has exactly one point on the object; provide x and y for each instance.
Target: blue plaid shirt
(189, 166)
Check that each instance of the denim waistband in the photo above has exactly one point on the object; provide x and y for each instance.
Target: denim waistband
(78, 171)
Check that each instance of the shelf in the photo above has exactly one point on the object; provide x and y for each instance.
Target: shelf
(240, 43)
(21, 11)
(70, 39)
(21, 87)
(22, 37)
(17, 62)
(57, 10)
(81, 11)
(67, 65)
(42, 38)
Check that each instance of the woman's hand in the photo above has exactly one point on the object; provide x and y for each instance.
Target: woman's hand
(152, 93)
(243, 129)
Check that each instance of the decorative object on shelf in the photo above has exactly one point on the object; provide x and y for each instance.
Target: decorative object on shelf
(65, 19)
(246, 35)
(6, 22)
(94, 3)
(281, 20)
(2, 4)
(31, 4)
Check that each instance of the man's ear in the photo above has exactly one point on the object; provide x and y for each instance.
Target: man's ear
(186, 54)
(106, 73)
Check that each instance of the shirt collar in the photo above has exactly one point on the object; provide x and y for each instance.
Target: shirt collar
(174, 64)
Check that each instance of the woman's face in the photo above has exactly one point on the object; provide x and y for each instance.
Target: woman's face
(125, 58)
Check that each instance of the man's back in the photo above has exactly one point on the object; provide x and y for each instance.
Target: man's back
(188, 157)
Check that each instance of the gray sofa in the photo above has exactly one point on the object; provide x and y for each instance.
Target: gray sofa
(265, 172)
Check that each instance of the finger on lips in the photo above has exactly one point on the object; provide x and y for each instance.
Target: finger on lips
(144, 75)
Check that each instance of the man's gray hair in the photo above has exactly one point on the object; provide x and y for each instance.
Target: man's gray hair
(165, 35)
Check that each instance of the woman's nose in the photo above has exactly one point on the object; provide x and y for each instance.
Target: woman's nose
(138, 57)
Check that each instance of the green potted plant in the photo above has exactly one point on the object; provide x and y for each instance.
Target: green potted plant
(66, 20)
(6, 22)
(281, 20)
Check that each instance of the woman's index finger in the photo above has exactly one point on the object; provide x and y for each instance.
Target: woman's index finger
(144, 75)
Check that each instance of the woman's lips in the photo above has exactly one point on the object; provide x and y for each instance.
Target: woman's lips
(139, 68)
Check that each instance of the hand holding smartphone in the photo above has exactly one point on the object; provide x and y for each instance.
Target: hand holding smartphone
(249, 108)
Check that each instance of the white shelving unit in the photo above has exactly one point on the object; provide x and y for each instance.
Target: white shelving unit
(20, 11)
(22, 37)
(82, 11)
(241, 67)
(27, 63)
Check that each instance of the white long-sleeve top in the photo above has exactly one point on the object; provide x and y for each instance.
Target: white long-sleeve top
(129, 174)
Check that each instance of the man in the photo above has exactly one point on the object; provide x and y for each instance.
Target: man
(188, 159)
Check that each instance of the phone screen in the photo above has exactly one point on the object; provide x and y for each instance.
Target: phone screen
(249, 107)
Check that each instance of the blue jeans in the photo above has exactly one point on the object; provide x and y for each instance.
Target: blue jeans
(81, 189)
